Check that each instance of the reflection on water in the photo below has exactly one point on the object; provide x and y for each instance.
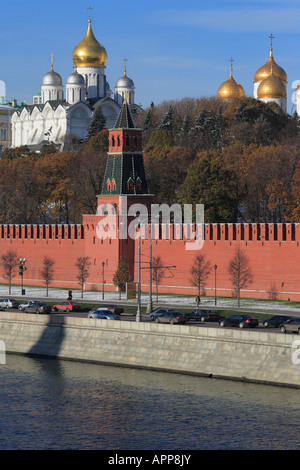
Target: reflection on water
(54, 404)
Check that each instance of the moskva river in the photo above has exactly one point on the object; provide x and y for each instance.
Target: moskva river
(58, 405)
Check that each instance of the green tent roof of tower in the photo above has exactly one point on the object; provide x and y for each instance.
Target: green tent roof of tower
(125, 119)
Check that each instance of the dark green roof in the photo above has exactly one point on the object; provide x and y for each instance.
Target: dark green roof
(125, 119)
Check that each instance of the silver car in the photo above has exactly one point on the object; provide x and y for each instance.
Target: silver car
(28, 303)
(291, 325)
(9, 303)
(103, 314)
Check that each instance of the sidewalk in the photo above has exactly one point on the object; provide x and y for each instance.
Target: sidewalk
(167, 300)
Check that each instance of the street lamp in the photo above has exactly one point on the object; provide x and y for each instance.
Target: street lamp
(103, 264)
(150, 303)
(22, 268)
(138, 313)
(215, 266)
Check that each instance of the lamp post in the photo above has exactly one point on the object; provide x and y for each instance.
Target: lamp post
(138, 313)
(215, 266)
(22, 268)
(103, 264)
(150, 304)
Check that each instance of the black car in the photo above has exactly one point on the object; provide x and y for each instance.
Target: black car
(171, 317)
(37, 307)
(242, 321)
(275, 321)
(203, 315)
(158, 311)
(291, 325)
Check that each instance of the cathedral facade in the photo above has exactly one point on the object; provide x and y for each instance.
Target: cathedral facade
(60, 117)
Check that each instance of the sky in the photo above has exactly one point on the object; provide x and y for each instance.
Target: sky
(174, 49)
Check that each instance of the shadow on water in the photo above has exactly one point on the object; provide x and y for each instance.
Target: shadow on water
(50, 342)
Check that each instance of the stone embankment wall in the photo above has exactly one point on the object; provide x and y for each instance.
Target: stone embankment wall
(250, 355)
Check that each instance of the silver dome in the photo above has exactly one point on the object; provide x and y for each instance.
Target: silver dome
(125, 82)
(52, 78)
(75, 79)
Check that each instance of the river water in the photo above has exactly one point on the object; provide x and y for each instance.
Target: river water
(55, 405)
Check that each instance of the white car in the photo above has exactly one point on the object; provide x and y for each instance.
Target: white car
(28, 303)
(9, 303)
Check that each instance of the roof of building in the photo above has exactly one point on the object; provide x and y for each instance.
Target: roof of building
(125, 119)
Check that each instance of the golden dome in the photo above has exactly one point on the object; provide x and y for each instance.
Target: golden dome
(89, 52)
(230, 89)
(266, 70)
(271, 87)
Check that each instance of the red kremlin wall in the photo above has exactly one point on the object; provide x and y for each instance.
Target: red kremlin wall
(273, 250)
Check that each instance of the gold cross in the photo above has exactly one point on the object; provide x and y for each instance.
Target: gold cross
(89, 8)
(51, 61)
(272, 37)
(231, 60)
(125, 60)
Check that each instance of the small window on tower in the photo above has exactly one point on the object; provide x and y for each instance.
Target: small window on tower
(138, 184)
(113, 141)
(108, 185)
(130, 184)
(114, 185)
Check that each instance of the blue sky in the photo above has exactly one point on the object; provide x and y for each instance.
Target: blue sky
(175, 49)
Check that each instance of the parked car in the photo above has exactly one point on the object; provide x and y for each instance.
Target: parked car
(203, 315)
(171, 317)
(103, 314)
(9, 303)
(158, 311)
(67, 306)
(275, 321)
(26, 304)
(241, 321)
(291, 325)
(37, 307)
(112, 308)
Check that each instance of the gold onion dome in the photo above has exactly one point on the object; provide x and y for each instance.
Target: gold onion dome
(271, 87)
(89, 52)
(266, 70)
(230, 89)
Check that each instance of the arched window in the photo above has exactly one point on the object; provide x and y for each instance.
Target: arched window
(114, 185)
(108, 185)
(113, 141)
(119, 143)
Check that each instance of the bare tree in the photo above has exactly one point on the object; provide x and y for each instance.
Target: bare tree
(9, 262)
(83, 265)
(48, 271)
(157, 272)
(240, 271)
(200, 270)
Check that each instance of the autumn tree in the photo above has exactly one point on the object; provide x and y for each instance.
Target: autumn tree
(121, 275)
(9, 262)
(199, 272)
(83, 264)
(47, 272)
(239, 271)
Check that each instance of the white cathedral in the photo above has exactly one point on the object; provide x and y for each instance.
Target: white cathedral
(57, 119)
